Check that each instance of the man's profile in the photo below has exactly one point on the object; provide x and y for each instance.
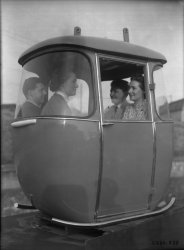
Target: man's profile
(35, 92)
(118, 95)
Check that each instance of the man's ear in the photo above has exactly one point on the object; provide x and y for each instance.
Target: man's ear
(29, 93)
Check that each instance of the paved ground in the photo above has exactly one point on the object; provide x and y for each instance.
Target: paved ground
(26, 232)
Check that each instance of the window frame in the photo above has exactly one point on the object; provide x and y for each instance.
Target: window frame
(83, 52)
(154, 96)
(146, 81)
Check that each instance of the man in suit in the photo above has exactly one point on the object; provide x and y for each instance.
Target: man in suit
(118, 93)
(64, 84)
(34, 92)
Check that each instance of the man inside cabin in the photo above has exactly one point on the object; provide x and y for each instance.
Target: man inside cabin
(34, 91)
(118, 93)
(63, 84)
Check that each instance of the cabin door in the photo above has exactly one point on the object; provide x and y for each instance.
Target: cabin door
(127, 145)
(127, 167)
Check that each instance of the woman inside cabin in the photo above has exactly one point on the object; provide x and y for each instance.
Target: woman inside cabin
(64, 84)
(137, 110)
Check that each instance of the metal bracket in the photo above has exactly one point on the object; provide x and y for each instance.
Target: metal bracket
(152, 86)
(77, 31)
(125, 35)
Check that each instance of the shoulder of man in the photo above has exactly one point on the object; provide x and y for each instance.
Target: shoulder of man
(29, 105)
(29, 109)
(109, 108)
(109, 112)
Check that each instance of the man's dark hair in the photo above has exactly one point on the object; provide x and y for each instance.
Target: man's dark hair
(59, 76)
(30, 84)
(120, 84)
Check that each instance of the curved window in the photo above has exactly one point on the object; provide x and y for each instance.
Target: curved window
(161, 102)
(56, 84)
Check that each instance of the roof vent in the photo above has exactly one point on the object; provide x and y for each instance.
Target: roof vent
(125, 35)
(77, 31)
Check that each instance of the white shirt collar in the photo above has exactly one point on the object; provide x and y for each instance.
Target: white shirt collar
(63, 95)
(121, 104)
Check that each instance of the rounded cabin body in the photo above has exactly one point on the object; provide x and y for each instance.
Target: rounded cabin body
(76, 160)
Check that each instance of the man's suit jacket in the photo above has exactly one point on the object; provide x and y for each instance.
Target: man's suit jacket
(114, 113)
(28, 109)
(56, 106)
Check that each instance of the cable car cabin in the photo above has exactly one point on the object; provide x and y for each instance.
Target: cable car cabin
(77, 164)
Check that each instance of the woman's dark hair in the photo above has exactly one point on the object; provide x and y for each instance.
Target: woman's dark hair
(59, 76)
(120, 84)
(140, 80)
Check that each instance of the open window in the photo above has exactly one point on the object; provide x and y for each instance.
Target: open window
(114, 71)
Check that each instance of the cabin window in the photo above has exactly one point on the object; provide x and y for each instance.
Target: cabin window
(56, 84)
(161, 102)
(124, 92)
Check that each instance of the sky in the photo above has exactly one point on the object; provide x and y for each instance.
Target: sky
(157, 25)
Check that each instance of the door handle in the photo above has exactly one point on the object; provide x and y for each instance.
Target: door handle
(23, 123)
(107, 124)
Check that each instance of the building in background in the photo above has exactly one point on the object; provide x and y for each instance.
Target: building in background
(177, 110)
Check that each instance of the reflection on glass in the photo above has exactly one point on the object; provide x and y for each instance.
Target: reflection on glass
(162, 105)
(57, 84)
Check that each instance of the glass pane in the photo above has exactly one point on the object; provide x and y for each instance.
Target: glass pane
(79, 103)
(56, 84)
(162, 106)
(123, 90)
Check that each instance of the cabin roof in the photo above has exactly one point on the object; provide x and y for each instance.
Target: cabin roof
(108, 46)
